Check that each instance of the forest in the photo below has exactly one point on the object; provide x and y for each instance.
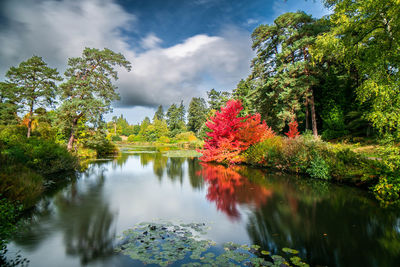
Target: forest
(322, 101)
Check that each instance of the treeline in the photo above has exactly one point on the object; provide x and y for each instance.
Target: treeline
(337, 76)
(173, 125)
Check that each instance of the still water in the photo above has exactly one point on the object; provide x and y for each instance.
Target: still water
(330, 225)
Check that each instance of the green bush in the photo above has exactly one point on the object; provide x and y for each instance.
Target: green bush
(131, 138)
(102, 146)
(164, 139)
(319, 168)
(41, 155)
(388, 170)
(116, 138)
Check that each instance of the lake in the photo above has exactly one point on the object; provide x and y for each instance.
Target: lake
(330, 225)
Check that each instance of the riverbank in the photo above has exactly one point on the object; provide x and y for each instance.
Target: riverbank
(376, 169)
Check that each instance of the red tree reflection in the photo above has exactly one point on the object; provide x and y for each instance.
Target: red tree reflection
(227, 188)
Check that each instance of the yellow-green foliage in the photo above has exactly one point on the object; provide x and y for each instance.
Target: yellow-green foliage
(164, 139)
(309, 156)
(84, 152)
(388, 169)
(131, 138)
(186, 137)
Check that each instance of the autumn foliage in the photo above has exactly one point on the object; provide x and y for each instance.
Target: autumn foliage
(293, 132)
(231, 134)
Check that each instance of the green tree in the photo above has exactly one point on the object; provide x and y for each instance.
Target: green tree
(365, 37)
(246, 93)
(34, 85)
(216, 99)
(159, 115)
(143, 126)
(197, 114)
(89, 90)
(172, 117)
(8, 107)
(283, 65)
(155, 130)
(181, 112)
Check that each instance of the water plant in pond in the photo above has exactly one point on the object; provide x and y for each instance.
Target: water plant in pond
(168, 243)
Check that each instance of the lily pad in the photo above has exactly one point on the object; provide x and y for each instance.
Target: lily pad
(167, 243)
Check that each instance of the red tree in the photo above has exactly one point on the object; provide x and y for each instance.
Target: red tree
(231, 134)
(293, 132)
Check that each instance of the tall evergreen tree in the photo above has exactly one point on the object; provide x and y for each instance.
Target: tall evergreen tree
(172, 117)
(217, 99)
(283, 64)
(159, 115)
(197, 114)
(8, 106)
(246, 93)
(89, 90)
(34, 85)
(181, 112)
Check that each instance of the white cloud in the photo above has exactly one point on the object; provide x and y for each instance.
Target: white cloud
(168, 75)
(151, 41)
(59, 29)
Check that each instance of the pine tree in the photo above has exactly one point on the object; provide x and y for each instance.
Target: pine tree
(89, 90)
(34, 85)
(159, 115)
(283, 65)
(197, 114)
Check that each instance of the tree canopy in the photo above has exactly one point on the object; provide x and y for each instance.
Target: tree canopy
(33, 84)
(89, 90)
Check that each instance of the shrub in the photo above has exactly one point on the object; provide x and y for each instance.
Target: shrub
(231, 135)
(41, 155)
(131, 138)
(102, 146)
(186, 137)
(319, 168)
(116, 138)
(293, 132)
(388, 170)
(164, 139)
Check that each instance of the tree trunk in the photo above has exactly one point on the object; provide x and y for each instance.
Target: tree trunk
(71, 141)
(30, 122)
(313, 116)
(307, 115)
(72, 137)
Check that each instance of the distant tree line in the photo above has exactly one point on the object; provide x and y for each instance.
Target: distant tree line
(174, 123)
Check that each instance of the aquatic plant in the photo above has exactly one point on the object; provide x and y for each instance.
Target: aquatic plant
(168, 243)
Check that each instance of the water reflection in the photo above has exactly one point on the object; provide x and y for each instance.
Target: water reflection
(83, 216)
(228, 188)
(330, 225)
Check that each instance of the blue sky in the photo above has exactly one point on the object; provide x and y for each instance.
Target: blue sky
(179, 49)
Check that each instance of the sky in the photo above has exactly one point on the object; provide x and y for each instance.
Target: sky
(179, 49)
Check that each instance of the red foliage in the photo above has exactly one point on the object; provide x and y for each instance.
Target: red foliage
(227, 188)
(293, 132)
(231, 134)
